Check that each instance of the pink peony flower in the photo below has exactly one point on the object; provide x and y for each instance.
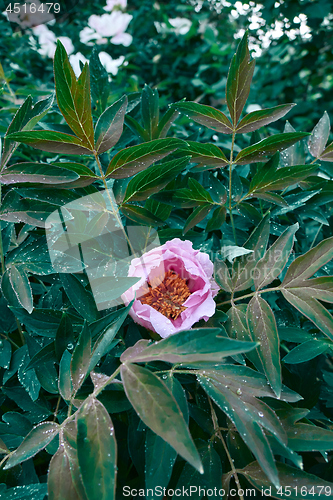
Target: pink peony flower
(176, 288)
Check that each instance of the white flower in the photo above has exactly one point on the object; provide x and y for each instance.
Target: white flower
(75, 59)
(48, 41)
(112, 3)
(106, 26)
(181, 25)
(111, 65)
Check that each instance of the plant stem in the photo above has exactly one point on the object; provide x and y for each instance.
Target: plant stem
(230, 186)
(218, 433)
(249, 295)
(57, 409)
(10, 340)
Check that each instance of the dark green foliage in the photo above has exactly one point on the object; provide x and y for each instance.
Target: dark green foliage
(242, 390)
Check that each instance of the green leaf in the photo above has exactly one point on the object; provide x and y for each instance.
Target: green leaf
(218, 218)
(302, 299)
(239, 80)
(134, 159)
(60, 481)
(153, 179)
(305, 436)
(272, 198)
(205, 115)
(157, 472)
(44, 355)
(266, 147)
(158, 409)
(293, 482)
(276, 257)
(308, 264)
(196, 216)
(242, 269)
(306, 351)
(166, 121)
(26, 492)
(141, 215)
(195, 195)
(99, 80)
(97, 450)
(319, 136)
(52, 142)
(37, 439)
(327, 154)
(262, 325)
(191, 480)
(150, 111)
(82, 300)
(206, 155)
(271, 179)
(105, 341)
(257, 119)
(238, 328)
(64, 336)
(246, 419)
(42, 173)
(32, 255)
(25, 119)
(22, 288)
(5, 353)
(73, 97)
(198, 344)
(65, 382)
(109, 126)
(81, 358)
(222, 275)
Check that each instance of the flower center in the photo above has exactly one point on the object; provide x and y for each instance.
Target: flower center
(168, 297)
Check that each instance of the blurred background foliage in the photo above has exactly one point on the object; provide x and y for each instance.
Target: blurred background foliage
(292, 41)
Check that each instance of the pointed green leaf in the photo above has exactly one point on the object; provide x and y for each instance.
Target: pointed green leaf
(271, 179)
(97, 450)
(197, 216)
(150, 110)
(327, 154)
(319, 136)
(273, 262)
(22, 288)
(271, 198)
(81, 299)
(43, 173)
(109, 126)
(52, 142)
(257, 119)
(205, 115)
(37, 439)
(306, 351)
(158, 409)
(141, 215)
(302, 299)
(134, 159)
(73, 96)
(266, 147)
(217, 219)
(308, 264)
(206, 155)
(99, 81)
(239, 80)
(60, 482)
(198, 344)
(242, 269)
(262, 325)
(295, 483)
(153, 179)
(81, 358)
(166, 121)
(64, 337)
(65, 381)
(248, 427)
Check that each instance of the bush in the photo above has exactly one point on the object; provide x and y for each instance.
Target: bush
(84, 389)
